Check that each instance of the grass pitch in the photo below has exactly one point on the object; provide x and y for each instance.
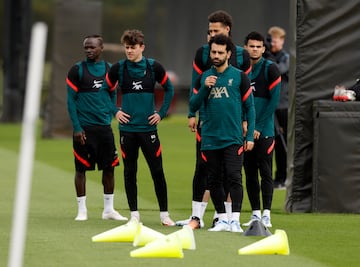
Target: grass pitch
(55, 239)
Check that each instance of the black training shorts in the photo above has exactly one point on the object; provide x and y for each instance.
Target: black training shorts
(99, 149)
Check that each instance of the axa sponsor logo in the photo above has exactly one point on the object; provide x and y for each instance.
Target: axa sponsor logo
(218, 92)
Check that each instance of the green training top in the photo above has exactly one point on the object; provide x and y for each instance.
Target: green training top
(223, 106)
(84, 103)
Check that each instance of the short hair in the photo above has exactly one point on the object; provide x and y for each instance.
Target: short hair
(221, 16)
(95, 36)
(221, 39)
(132, 37)
(254, 36)
(277, 31)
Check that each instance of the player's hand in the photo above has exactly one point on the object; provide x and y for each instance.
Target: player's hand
(154, 119)
(80, 137)
(244, 127)
(210, 81)
(256, 135)
(122, 117)
(192, 124)
(248, 145)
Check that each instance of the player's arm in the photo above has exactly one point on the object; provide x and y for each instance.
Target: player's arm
(197, 70)
(72, 87)
(274, 87)
(108, 89)
(247, 100)
(163, 79)
(201, 92)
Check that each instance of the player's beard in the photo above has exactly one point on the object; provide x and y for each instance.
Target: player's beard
(219, 62)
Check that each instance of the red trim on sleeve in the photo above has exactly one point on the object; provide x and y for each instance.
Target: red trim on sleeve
(276, 82)
(111, 85)
(73, 86)
(248, 92)
(164, 79)
(196, 68)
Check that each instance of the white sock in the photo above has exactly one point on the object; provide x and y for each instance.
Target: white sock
(203, 209)
(223, 217)
(164, 214)
(196, 209)
(266, 213)
(81, 204)
(235, 216)
(135, 214)
(108, 202)
(257, 213)
(228, 209)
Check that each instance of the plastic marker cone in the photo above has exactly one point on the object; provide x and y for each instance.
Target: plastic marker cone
(257, 228)
(186, 237)
(274, 244)
(123, 233)
(145, 235)
(166, 247)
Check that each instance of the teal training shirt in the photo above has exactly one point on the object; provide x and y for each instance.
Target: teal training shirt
(266, 83)
(136, 84)
(223, 105)
(84, 103)
(239, 58)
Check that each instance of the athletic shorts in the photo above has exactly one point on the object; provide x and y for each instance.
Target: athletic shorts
(99, 149)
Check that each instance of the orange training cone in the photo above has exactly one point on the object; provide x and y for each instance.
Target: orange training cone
(145, 235)
(186, 237)
(122, 233)
(166, 247)
(274, 244)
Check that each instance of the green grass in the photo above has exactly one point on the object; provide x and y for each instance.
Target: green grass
(55, 239)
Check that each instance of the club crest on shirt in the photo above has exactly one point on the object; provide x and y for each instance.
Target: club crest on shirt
(218, 92)
(230, 82)
(137, 85)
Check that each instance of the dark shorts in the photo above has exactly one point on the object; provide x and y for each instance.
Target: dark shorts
(99, 149)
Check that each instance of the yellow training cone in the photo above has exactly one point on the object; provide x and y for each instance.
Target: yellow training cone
(166, 247)
(274, 244)
(123, 233)
(186, 237)
(145, 235)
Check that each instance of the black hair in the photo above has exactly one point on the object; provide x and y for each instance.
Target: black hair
(96, 36)
(221, 39)
(222, 17)
(254, 36)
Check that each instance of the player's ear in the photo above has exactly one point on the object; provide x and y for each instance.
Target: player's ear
(229, 54)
